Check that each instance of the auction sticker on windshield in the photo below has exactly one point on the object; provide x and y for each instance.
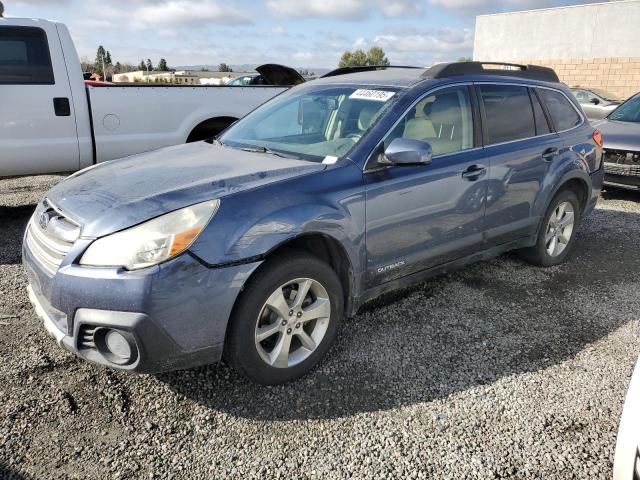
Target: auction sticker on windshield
(377, 95)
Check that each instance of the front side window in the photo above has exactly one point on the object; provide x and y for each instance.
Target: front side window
(312, 122)
(508, 112)
(562, 112)
(24, 57)
(581, 95)
(443, 119)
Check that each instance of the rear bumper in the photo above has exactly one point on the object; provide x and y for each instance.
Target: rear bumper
(172, 316)
(597, 182)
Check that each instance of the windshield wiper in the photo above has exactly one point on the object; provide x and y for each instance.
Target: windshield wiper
(263, 149)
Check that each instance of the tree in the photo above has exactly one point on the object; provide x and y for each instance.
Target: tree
(465, 59)
(100, 59)
(107, 58)
(353, 59)
(223, 67)
(149, 65)
(117, 68)
(375, 56)
(162, 65)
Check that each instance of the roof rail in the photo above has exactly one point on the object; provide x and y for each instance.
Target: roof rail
(361, 68)
(454, 69)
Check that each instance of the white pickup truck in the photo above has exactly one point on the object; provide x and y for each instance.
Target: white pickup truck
(50, 121)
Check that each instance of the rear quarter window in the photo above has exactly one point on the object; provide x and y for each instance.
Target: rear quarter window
(563, 114)
(24, 57)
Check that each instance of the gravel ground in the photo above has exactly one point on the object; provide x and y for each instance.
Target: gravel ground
(500, 371)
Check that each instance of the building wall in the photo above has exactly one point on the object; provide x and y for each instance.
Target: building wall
(595, 45)
(617, 75)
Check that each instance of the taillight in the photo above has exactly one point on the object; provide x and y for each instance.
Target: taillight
(597, 137)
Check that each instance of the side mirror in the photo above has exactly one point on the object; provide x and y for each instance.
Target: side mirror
(406, 151)
(595, 101)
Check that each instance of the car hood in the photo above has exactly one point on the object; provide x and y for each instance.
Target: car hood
(620, 135)
(122, 193)
(275, 74)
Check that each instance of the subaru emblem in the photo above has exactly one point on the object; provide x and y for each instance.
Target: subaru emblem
(43, 220)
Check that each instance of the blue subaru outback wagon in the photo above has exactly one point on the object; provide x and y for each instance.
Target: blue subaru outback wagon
(255, 245)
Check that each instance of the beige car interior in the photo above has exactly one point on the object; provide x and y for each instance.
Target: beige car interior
(443, 120)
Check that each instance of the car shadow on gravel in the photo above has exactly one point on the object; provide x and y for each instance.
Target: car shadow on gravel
(450, 334)
(14, 221)
(7, 473)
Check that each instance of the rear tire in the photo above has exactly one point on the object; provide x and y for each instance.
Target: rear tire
(557, 232)
(275, 333)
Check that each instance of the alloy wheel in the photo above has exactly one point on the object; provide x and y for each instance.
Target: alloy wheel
(292, 322)
(559, 229)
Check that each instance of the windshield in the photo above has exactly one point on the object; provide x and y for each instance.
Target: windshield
(311, 123)
(240, 81)
(629, 111)
(605, 95)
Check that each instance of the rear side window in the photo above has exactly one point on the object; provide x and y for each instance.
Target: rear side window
(508, 112)
(563, 114)
(542, 126)
(24, 57)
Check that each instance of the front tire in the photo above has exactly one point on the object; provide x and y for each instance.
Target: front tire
(285, 320)
(557, 231)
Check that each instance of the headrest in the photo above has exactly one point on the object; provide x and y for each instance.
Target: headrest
(367, 114)
(445, 110)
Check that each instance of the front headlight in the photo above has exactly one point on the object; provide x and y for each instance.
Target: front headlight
(151, 242)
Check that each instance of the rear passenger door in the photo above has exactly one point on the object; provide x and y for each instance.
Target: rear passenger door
(520, 146)
(37, 126)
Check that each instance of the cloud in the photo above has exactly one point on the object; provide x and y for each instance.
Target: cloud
(422, 47)
(190, 12)
(168, 14)
(22, 3)
(343, 9)
(473, 7)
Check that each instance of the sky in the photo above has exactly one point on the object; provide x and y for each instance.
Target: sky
(299, 33)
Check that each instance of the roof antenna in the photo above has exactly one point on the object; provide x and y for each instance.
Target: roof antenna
(1, 10)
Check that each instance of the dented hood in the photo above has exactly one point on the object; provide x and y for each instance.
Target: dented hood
(122, 193)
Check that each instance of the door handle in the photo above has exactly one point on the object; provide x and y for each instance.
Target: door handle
(62, 107)
(474, 172)
(549, 154)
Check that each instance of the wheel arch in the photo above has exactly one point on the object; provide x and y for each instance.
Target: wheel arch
(326, 248)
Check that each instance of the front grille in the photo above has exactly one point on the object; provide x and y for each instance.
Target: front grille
(622, 162)
(50, 236)
(625, 170)
(622, 157)
(86, 336)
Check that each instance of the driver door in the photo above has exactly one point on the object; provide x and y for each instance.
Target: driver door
(418, 217)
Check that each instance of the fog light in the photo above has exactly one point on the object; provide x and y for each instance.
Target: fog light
(118, 345)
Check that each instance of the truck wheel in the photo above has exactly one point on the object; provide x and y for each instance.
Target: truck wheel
(557, 231)
(286, 319)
